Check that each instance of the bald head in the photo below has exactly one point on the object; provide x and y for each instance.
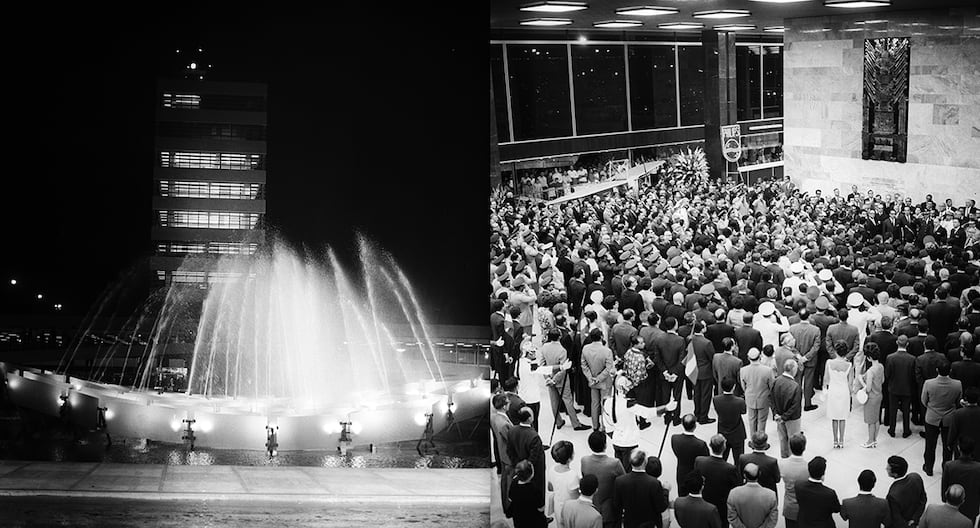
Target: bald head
(955, 495)
(750, 472)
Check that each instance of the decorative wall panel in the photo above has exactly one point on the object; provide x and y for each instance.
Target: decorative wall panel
(886, 99)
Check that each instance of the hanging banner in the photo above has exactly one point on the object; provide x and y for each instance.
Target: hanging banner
(731, 142)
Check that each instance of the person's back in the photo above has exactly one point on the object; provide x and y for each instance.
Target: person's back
(947, 514)
(906, 495)
(692, 511)
(817, 502)
(793, 470)
(752, 505)
(687, 448)
(965, 471)
(638, 498)
(865, 510)
(720, 477)
(580, 512)
(606, 469)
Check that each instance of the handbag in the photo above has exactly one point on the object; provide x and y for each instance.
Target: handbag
(862, 396)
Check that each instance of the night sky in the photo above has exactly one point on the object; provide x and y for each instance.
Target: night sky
(377, 122)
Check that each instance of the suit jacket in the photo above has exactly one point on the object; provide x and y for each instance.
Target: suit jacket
(747, 337)
(576, 297)
(887, 344)
(968, 372)
(865, 511)
(638, 500)
(906, 499)
(964, 422)
(620, 335)
(579, 514)
(927, 366)
(695, 512)
(717, 332)
(606, 469)
(818, 504)
(769, 474)
(823, 322)
(631, 299)
(597, 362)
(523, 443)
(752, 506)
(940, 395)
(501, 426)
(964, 471)
(553, 354)
(842, 332)
(670, 350)
(787, 398)
(704, 351)
(807, 341)
(780, 356)
(687, 448)
(756, 380)
(730, 409)
(943, 516)
(900, 373)
(726, 366)
(793, 470)
(720, 478)
(942, 318)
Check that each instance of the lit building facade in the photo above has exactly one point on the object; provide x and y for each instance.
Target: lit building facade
(209, 174)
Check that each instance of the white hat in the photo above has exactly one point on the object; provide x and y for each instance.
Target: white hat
(855, 299)
(767, 308)
(796, 267)
(753, 353)
(825, 275)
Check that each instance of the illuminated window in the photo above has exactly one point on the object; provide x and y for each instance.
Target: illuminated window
(208, 219)
(182, 101)
(213, 248)
(188, 277)
(232, 248)
(212, 160)
(227, 191)
(222, 276)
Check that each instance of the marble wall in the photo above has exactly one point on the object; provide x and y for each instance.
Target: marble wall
(823, 74)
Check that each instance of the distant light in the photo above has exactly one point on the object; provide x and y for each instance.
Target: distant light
(193, 65)
(722, 13)
(178, 51)
(546, 22)
(581, 38)
(421, 418)
(681, 25)
(356, 427)
(775, 29)
(399, 350)
(109, 414)
(856, 4)
(13, 282)
(615, 24)
(555, 6)
(199, 49)
(734, 27)
(57, 306)
(40, 296)
(646, 11)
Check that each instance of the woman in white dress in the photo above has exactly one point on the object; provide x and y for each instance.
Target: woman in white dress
(838, 376)
(562, 479)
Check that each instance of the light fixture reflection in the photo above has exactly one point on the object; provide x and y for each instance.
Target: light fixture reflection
(555, 6)
(647, 11)
(722, 13)
(546, 22)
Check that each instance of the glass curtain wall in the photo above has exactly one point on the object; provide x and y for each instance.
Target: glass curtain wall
(499, 92)
(600, 89)
(772, 81)
(748, 63)
(539, 91)
(690, 63)
(653, 87)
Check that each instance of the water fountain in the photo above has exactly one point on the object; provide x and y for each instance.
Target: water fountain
(278, 341)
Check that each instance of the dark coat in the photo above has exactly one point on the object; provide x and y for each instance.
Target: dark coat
(720, 478)
(687, 448)
(786, 396)
(747, 337)
(818, 504)
(638, 500)
(769, 474)
(865, 511)
(670, 350)
(695, 512)
(964, 471)
(730, 409)
(900, 373)
(907, 499)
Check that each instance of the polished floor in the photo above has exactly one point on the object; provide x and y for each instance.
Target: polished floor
(843, 465)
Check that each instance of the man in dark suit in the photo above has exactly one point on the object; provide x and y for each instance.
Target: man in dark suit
(630, 298)
(965, 421)
(769, 474)
(865, 510)
(966, 369)
(523, 443)
(704, 351)
(720, 477)
(906, 496)
(807, 338)
(687, 448)
(717, 332)
(900, 378)
(499, 357)
(691, 510)
(606, 469)
(747, 337)
(501, 425)
(726, 365)
(576, 292)
(621, 333)
(730, 409)
(818, 503)
(965, 471)
(887, 343)
(638, 498)
(787, 405)
(669, 350)
(942, 316)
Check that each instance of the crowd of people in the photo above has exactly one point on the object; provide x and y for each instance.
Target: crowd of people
(754, 301)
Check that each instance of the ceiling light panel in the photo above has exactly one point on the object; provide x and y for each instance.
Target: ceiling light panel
(647, 11)
(722, 13)
(555, 6)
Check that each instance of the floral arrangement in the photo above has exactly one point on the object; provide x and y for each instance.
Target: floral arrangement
(690, 166)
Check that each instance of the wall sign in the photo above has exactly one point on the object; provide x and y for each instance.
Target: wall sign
(731, 142)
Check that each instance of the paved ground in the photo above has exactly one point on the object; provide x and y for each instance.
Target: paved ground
(40, 511)
(94, 494)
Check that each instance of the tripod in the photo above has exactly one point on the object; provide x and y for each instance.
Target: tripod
(561, 392)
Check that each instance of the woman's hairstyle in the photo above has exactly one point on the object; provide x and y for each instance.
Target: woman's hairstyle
(562, 451)
(523, 470)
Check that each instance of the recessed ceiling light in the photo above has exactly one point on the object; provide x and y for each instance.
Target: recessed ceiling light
(775, 29)
(555, 6)
(647, 11)
(722, 13)
(856, 4)
(734, 27)
(546, 22)
(618, 24)
(779, 1)
(681, 25)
